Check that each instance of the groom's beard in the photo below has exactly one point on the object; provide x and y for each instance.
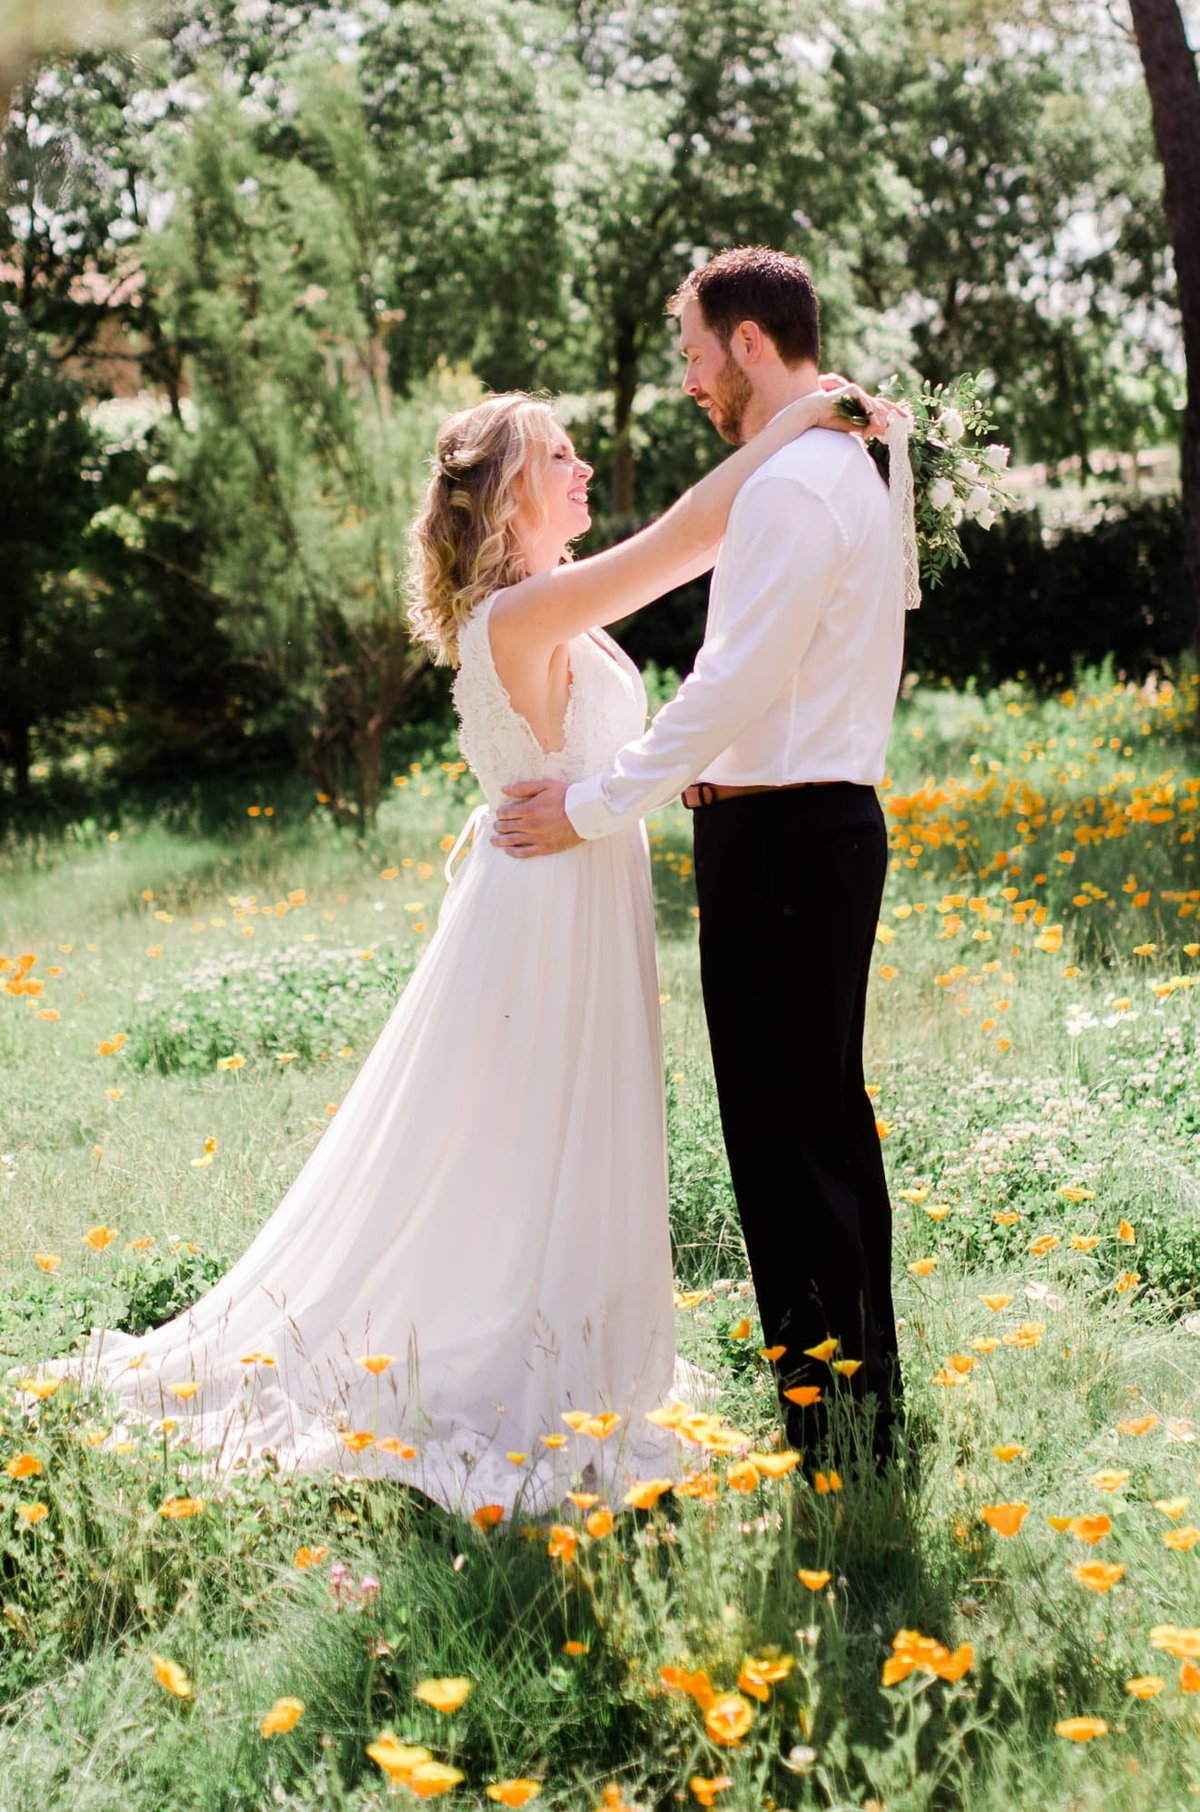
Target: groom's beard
(731, 394)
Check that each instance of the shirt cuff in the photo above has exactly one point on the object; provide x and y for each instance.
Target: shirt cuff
(588, 810)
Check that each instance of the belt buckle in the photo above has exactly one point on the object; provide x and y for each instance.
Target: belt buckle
(705, 794)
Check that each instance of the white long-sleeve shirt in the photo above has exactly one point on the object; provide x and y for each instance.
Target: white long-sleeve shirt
(800, 667)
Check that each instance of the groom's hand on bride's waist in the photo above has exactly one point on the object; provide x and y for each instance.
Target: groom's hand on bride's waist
(536, 823)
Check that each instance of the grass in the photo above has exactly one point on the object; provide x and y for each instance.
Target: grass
(1033, 1054)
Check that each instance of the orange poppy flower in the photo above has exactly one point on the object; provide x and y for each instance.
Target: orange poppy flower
(743, 1476)
(562, 1544)
(393, 1444)
(759, 1673)
(375, 1363)
(356, 1439)
(283, 1716)
(445, 1695)
(24, 1466)
(177, 1508)
(1090, 1528)
(1145, 1686)
(304, 1558)
(700, 1485)
(1081, 1730)
(1109, 1480)
(706, 1787)
(813, 1579)
(515, 1792)
(1099, 1575)
(696, 1685)
(397, 1760)
(804, 1394)
(826, 1482)
(1184, 1644)
(646, 1493)
(1005, 1519)
(171, 1676)
(487, 1516)
(775, 1465)
(728, 1719)
(1028, 1334)
(599, 1524)
(429, 1779)
(1140, 1425)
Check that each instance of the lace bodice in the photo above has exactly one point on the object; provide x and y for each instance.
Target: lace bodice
(606, 708)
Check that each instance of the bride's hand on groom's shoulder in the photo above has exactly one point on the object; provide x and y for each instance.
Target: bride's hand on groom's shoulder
(880, 409)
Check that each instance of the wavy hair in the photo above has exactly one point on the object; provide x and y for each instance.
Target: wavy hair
(462, 544)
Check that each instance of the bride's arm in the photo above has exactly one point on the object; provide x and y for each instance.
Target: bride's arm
(550, 608)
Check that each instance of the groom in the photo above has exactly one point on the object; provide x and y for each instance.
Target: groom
(783, 726)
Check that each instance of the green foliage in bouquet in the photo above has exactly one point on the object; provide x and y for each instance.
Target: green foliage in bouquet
(957, 471)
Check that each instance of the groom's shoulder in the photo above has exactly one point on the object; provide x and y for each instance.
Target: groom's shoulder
(832, 465)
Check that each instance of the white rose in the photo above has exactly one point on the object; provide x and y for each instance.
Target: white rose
(968, 468)
(941, 493)
(977, 501)
(996, 456)
(986, 518)
(951, 424)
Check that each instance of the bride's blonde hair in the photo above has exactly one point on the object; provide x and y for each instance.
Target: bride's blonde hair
(463, 545)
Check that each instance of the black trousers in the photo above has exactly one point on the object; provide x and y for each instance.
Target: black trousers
(789, 886)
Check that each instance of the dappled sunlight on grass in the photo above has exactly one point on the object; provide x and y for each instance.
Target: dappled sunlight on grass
(1012, 1621)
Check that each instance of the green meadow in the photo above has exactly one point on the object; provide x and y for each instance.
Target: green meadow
(187, 987)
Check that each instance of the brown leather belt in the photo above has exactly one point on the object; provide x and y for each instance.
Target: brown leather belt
(708, 792)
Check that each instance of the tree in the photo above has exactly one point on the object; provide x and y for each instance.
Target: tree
(1174, 89)
(695, 127)
(302, 471)
(468, 134)
(47, 667)
(1003, 157)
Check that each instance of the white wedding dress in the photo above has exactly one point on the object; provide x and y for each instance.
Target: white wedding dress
(489, 1205)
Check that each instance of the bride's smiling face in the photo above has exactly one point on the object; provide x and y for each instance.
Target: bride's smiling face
(553, 509)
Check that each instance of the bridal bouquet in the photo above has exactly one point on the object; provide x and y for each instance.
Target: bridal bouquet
(956, 472)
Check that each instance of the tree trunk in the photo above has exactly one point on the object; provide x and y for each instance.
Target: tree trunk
(1174, 88)
(625, 376)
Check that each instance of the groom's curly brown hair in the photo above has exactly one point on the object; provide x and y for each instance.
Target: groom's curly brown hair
(754, 283)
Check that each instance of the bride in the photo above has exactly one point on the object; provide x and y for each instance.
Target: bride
(468, 1286)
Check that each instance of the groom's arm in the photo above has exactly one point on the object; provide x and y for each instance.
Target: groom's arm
(787, 549)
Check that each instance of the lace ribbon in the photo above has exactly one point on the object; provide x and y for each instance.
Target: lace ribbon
(901, 492)
(467, 833)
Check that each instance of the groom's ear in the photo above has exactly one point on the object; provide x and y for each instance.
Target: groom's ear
(750, 342)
